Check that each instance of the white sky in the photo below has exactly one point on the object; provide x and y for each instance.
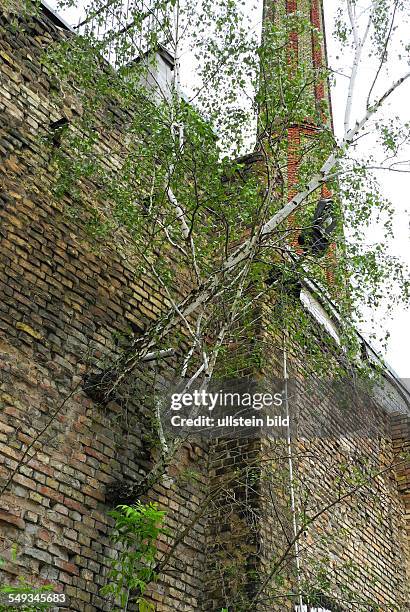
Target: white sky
(395, 186)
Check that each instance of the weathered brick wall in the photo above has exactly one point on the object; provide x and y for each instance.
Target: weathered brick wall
(64, 300)
(359, 542)
(342, 440)
(401, 444)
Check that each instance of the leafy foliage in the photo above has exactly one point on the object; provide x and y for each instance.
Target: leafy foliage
(136, 530)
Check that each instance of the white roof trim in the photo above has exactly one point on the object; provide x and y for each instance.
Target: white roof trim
(319, 313)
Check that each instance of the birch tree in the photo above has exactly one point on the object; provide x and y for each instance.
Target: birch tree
(180, 185)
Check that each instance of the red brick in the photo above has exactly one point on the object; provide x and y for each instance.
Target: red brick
(41, 467)
(94, 493)
(67, 567)
(45, 535)
(47, 492)
(26, 482)
(11, 519)
(75, 505)
(93, 453)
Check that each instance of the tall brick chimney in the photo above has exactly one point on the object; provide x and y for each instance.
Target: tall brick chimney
(311, 48)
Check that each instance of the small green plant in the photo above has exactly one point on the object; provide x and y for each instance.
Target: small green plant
(136, 529)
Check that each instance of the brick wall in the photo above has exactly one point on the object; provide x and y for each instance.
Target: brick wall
(65, 298)
(401, 444)
(63, 304)
(343, 435)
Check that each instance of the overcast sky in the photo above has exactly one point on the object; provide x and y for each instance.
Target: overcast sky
(395, 186)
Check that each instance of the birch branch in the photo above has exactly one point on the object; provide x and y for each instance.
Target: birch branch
(383, 57)
(358, 45)
(194, 345)
(160, 429)
(179, 129)
(154, 355)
